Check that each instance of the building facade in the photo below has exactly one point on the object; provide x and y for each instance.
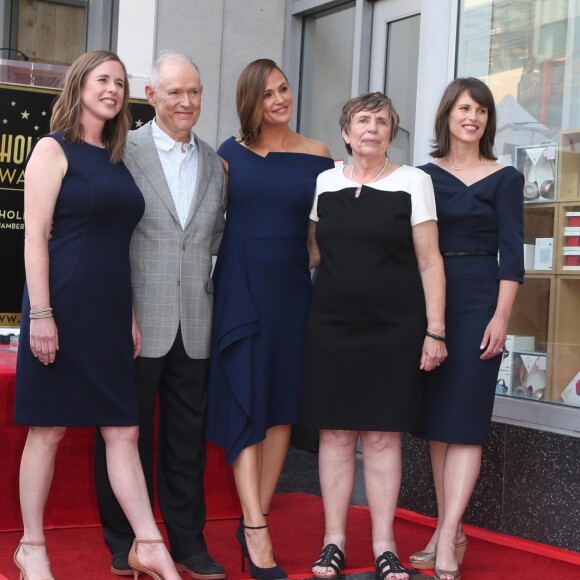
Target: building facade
(527, 51)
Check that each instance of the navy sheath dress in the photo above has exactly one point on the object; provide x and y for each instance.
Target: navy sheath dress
(262, 293)
(91, 382)
(485, 217)
(367, 321)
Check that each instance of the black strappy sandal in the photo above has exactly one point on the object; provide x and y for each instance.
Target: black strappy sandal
(389, 563)
(330, 557)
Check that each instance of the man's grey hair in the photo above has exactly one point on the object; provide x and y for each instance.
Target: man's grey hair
(165, 56)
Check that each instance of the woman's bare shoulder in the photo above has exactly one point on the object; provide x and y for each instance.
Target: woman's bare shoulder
(312, 146)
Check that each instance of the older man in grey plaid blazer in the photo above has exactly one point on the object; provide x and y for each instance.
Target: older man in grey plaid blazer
(182, 181)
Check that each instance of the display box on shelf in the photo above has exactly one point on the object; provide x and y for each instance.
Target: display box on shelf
(513, 343)
(504, 382)
(528, 374)
(573, 219)
(539, 164)
(571, 394)
(571, 240)
(529, 256)
(544, 253)
(571, 257)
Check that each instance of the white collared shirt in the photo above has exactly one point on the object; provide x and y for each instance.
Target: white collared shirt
(179, 162)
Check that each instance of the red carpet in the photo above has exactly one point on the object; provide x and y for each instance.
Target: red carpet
(72, 500)
(296, 524)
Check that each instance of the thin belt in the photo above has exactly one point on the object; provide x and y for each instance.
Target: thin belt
(475, 253)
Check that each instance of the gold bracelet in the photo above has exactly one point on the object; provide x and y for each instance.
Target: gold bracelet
(36, 313)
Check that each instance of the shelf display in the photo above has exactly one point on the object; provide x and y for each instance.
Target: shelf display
(542, 354)
(571, 239)
(539, 164)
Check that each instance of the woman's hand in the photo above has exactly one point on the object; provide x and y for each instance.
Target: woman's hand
(44, 339)
(313, 249)
(434, 353)
(136, 336)
(494, 338)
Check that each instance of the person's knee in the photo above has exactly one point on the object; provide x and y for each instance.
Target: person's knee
(120, 435)
(338, 439)
(378, 441)
(49, 437)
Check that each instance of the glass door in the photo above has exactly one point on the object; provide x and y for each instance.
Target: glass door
(394, 66)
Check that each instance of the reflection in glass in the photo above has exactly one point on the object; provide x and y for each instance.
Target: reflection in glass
(325, 82)
(525, 50)
(402, 64)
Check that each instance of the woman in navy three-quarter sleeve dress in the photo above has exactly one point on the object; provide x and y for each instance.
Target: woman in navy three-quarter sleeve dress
(480, 213)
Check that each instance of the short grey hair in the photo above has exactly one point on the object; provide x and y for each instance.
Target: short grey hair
(165, 56)
(367, 102)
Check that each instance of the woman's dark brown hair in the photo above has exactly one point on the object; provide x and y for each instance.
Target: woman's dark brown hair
(67, 109)
(481, 94)
(250, 95)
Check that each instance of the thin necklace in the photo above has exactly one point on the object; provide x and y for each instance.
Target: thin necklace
(459, 168)
(379, 174)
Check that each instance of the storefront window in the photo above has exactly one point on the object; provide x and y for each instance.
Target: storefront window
(326, 73)
(528, 52)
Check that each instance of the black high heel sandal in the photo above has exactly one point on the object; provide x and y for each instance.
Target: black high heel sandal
(330, 557)
(273, 573)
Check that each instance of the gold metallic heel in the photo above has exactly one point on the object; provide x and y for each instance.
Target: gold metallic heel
(23, 575)
(136, 566)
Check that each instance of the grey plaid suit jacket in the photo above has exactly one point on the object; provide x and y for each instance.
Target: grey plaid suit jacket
(171, 265)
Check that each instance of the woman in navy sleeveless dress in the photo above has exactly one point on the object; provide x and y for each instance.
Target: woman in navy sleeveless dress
(262, 294)
(75, 360)
(480, 212)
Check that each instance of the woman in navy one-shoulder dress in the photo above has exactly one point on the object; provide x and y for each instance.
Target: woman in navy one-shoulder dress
(78, 340)
(480, 212)
(262, 295)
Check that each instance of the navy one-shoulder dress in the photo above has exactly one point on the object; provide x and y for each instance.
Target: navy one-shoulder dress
(486, 216)
(262, 294)
(91, 382)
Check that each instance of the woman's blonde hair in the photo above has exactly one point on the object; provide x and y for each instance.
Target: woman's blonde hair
(250, 95)
(67, 108)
